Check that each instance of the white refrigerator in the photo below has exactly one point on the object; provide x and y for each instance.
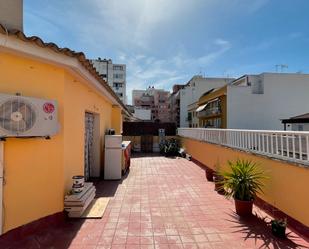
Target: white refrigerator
(113, 157)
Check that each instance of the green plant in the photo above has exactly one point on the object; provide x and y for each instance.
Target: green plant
(170, 147)
(278, 227)
(279, 222)
(243, 181)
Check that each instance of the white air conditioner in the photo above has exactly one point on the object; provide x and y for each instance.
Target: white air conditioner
(27, 117)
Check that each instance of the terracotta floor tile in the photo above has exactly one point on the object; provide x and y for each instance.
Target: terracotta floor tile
(162, 203)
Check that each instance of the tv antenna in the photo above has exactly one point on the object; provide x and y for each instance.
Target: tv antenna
(281, 67)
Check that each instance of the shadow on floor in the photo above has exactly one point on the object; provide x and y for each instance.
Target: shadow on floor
(257, 229)
(142, 154)
(106, 188)
(53, 234)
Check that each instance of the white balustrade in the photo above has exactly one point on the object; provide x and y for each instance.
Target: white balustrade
(286, 145)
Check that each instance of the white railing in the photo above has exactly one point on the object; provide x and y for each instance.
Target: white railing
(286, 145)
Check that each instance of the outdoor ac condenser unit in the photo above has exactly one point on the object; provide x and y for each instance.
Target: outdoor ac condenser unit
(27, 117)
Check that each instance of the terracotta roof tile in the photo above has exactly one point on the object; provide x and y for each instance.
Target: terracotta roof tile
(80, 56)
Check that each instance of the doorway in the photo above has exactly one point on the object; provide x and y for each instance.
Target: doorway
(147, 143)
(88, 150)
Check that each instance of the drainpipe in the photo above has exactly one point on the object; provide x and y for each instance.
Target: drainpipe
(1, 184)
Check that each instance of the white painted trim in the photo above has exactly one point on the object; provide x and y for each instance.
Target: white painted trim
(47, 55)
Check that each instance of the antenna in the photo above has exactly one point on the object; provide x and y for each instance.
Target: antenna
(281, 66)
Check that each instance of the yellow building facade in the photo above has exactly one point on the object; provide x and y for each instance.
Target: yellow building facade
(212, 109)
(38, 172)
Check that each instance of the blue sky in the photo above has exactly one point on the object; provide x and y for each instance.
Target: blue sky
(164, 42)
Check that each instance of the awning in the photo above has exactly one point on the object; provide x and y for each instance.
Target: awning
(213, 100)
(201, 108)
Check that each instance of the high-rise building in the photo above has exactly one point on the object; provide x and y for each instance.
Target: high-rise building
(114, 75)
(156, 100)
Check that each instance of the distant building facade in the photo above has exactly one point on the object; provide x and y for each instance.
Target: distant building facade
(192, 115)
(193, 90)
(175, 104)
(114, 75)
(155, 100)
(297, 123)
(257, 102)
(142, 114)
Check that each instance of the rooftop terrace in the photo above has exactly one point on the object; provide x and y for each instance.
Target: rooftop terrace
(162, 203)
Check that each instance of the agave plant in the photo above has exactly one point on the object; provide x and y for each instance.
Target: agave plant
(244, 180)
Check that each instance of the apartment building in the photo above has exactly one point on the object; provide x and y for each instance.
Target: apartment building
(192, 115)
(193, 90)
(174, 101)
(156, 100)
(114, 75)
(257, 102)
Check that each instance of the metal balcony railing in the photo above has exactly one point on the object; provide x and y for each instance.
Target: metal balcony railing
(286, 145)
(209, 112)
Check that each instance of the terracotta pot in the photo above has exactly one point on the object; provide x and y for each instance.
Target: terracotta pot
(218, 184)
(209, 175)
(243, 208)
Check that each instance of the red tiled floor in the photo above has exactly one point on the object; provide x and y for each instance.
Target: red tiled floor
(162, 203)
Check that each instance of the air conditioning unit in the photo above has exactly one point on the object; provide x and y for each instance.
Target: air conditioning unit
(27, 117)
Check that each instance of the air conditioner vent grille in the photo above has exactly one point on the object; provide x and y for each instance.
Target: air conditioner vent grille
(17, 115)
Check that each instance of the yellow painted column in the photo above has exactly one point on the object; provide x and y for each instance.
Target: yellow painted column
(116, 119)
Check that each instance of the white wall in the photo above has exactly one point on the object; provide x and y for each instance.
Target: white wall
(285, 96)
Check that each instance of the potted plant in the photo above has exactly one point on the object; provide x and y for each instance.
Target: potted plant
(170, 147)
(278, 227)
(209, 174)
(243, 182)
(218, 179)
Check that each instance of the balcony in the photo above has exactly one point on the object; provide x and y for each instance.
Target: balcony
(162, 203)
(209, 112)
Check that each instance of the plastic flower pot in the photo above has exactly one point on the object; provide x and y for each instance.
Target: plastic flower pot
(243, 208)
(278, 228)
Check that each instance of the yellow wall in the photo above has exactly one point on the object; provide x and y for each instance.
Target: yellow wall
(33, 167)
(117, 119)
(287, 184)
(38, 172)
(79, 99)
(220, 93)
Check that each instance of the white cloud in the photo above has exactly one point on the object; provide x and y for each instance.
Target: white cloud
(145, 71)
(153, 37)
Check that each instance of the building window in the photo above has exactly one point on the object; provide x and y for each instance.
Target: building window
(118, 76)
(117, 67)
(117, 85)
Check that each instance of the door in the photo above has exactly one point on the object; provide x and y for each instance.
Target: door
(88, 150)
(146, 143)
